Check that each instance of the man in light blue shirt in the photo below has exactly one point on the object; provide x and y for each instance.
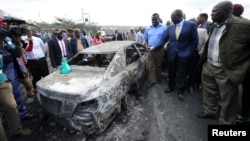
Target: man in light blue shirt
(155, 39)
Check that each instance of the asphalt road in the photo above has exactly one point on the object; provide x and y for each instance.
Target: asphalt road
(151, 116)
(156, 116)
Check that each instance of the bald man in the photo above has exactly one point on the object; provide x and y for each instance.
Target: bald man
(226, 60)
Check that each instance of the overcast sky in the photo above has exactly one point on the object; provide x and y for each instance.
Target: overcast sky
(110, 12)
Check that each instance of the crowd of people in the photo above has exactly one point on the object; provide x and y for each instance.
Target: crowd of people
(212, 56)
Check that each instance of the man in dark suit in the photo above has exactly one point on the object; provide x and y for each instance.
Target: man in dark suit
(117, 36)
(58, 47)
(183, 41)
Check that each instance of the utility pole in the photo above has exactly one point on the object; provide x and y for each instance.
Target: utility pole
(86, 17)
(83, 16)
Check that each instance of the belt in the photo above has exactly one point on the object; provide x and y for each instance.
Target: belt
(37, 59)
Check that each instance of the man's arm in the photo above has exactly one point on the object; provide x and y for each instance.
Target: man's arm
(194, 38)
(17, 50)
(42, 45)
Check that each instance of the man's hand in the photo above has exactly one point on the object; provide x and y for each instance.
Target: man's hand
(3, 78)
(150, 48)
(16, 40)
(26, 74)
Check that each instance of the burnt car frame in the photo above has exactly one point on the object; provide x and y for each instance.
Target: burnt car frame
(89, 98)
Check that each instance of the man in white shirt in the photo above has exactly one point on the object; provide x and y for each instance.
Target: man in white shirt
(35, 51)
(139, 35)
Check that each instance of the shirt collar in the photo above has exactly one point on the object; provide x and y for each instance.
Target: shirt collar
(160, 24)
(218, 25)
(58, 39)
(181, 22)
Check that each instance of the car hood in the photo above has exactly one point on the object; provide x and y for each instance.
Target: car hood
(80, 81)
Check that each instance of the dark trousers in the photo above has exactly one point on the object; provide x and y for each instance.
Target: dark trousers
(13, 77)
(38, 68)
(198, 76)
(193, 69)
(154, 64)
(22, 109)
(177, 67)
(246, 96)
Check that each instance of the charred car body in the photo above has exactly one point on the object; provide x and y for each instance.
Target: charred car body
(90, 97)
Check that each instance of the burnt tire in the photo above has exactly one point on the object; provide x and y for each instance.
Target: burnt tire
(125, 101)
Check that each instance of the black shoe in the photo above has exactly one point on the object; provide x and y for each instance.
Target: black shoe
(150, 85)
(190, 90)
(242, 120)
(206, 115)
(168, 90)
(181, 97)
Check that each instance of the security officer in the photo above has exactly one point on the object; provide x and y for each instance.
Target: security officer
(7, 102)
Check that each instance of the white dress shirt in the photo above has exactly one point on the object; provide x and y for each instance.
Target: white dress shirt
(38, 50)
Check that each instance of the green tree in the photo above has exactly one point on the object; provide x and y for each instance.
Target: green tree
(64, 23)
(44, 25)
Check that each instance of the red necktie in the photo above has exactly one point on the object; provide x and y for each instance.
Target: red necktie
(29, 47)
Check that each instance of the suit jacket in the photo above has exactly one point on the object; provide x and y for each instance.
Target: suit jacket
(186, 44)
(119, 37)
(234, 49)
(73, 44)
(55, 52)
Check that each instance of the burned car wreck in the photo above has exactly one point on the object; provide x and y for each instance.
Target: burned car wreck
(89, 98)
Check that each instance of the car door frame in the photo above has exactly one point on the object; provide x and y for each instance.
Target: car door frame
(141, 66)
